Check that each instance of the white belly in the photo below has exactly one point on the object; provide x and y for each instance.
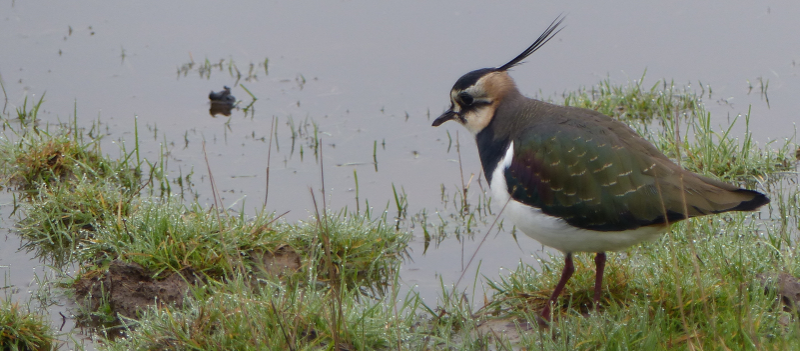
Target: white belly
(555, 232)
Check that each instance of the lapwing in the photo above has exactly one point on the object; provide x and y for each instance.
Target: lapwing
(575, 179)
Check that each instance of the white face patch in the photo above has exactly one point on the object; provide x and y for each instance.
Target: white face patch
(478, 118)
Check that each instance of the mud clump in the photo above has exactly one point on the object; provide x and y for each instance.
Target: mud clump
(129, 288)
(279, 262)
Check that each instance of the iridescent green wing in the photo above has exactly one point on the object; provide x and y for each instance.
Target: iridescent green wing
(590, 178)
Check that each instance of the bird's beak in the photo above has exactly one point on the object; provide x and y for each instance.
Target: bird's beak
(446, 116)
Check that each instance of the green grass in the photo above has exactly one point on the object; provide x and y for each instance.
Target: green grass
(40, 156)
(58, 218)
(22, 330)
(715, 152)
(697, 288)
(234, 316)
(634, 103)
(68, 186)
(167, 236)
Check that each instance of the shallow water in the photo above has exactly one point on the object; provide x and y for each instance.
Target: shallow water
(368, 74)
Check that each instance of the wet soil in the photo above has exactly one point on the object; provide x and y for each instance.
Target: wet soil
(128, 288)
(280, 262)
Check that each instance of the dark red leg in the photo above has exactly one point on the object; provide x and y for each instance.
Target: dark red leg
(600, 264)
(569, 268)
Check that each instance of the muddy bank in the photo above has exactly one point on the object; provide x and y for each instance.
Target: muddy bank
(129, 288)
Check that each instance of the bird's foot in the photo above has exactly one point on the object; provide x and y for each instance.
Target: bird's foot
(543, 321)
(544, 318)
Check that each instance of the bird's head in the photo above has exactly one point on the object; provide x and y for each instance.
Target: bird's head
(476, 95)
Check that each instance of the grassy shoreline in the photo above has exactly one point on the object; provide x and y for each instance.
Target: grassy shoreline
(331, 282)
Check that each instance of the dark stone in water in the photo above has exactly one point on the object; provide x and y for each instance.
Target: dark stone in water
(221, 102)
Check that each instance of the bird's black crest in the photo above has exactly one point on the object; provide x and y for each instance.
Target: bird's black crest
(471, 78)
(548, 34)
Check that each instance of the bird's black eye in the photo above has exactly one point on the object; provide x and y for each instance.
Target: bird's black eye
(466, 98)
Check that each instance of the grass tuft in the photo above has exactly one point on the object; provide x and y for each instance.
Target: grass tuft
(167, 236)
(633, 103)
(234, 316)
(20, 330)
(38, 156)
